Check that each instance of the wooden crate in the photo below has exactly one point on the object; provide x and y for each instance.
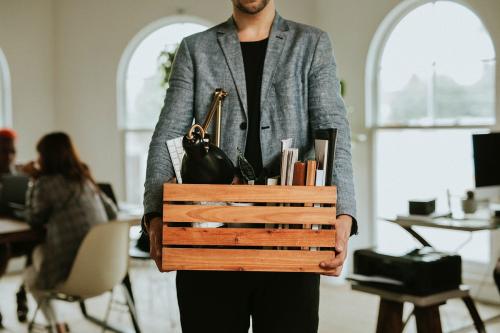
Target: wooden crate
(243, 248)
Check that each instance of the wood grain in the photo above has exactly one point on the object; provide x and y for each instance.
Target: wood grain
(249, 214)
(248, 237)
(246, 193)
(243, 260)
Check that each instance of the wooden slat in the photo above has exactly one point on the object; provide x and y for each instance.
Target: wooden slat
(250, 193)
(249, 214)
(248, 237)
(243, 260)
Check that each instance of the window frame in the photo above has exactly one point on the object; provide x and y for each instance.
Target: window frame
(376, 50)
(121, 88)
(6, 92)
(477, 275)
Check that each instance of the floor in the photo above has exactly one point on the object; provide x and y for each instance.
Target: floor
(341, 310)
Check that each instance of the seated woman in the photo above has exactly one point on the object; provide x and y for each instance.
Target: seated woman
(64, 199)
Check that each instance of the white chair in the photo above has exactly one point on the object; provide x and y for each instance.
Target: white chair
(101, 264)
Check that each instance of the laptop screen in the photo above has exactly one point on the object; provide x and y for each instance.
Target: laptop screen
(13, 190)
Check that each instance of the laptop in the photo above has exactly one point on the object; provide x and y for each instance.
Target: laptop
(13, 190)
(107, 189)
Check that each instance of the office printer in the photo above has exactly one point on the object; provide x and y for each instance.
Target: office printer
(420, 272)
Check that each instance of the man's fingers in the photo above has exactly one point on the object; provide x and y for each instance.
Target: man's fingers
(336, 272)
(332, 264)
(340, 240)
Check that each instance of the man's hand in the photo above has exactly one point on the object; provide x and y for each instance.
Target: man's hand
(334, 266)
(155, 230)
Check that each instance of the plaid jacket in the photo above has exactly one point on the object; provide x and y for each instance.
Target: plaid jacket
(68, 211)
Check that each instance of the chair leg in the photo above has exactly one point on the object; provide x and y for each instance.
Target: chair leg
(127, 284)
(83, 308)
(32, 321)
(478, 322)
(131, 308)
(50, 324)
(108, 310)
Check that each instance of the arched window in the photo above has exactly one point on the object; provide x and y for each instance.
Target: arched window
(430, 85)
(141, 85)
(5, 93)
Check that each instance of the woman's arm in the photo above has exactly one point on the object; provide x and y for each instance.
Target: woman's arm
(38, 203)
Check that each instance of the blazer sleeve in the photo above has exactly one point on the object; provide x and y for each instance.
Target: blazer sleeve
(327, 110)
(175, 119)
(38, 202)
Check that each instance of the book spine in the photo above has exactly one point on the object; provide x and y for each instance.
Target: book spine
(310, 181)
(299, 174)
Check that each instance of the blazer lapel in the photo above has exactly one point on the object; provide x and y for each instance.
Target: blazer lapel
(276, 43)
(230, 45)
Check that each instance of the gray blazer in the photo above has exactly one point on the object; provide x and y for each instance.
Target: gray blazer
(300, 93)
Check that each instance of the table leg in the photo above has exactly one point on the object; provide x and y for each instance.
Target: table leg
(4, 257)
(428, 319)
(478, 322)
(390, 317)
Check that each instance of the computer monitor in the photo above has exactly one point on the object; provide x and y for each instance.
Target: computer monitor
(107, 189)
(13, 195)
(486, 159)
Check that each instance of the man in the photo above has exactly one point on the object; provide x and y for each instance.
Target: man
(7, 251)
(7, 151)
(280, 76)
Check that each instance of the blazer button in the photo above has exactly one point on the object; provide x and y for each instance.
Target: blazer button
(243, 126)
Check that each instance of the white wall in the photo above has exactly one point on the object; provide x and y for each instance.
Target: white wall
(91, 37)
(27, 40)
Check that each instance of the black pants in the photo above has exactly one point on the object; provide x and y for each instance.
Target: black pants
(496, 275)
(222, 302)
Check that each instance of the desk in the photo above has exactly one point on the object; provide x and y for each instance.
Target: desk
(450, 223)
(17, 231)
(425, 309)
(13, 231)
(468, 224)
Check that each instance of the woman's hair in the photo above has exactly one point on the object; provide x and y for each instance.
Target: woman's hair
(58, 157)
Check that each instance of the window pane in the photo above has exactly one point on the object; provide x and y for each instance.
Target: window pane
(468, 103)
(407, 105)
(414, 164)
(437, 68)
(145, 89)
(136, 155)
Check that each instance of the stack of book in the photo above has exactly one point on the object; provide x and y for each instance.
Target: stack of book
(317, 172)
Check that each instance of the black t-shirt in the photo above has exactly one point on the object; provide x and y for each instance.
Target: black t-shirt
(254, 54)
